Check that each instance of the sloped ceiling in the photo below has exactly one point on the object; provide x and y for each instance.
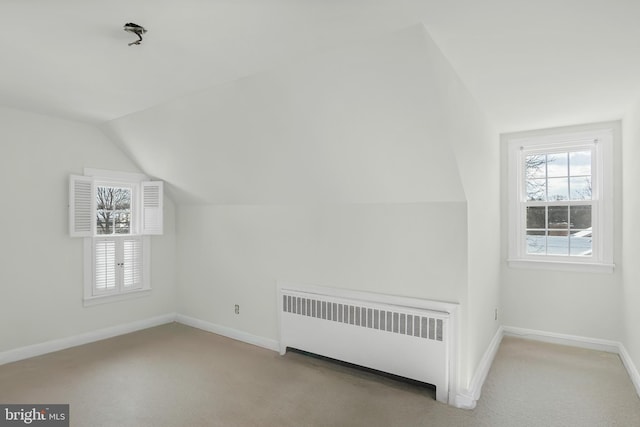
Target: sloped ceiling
(365, 123)
(528, 63)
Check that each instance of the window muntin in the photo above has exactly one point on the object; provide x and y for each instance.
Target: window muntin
(115, 213)
(558, 176)
(560, 198)
(118, 257)
(113, 210)
(558, 202)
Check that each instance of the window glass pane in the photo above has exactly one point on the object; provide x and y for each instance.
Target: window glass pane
(581, 243)
(536, 242)
(535, 166)
(580, 163)
(558, 239)
(580, 188)
(104, 222)
(536, 217)
(558, 189)
(113, 210)
(580, 217)
(557, 165)
(558, 245)
(122, 222)
(559, 218)
(536, 190)
(558, 198)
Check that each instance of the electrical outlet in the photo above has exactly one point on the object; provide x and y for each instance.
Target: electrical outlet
(237, 309)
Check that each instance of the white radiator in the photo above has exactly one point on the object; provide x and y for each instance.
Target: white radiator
(409, 337)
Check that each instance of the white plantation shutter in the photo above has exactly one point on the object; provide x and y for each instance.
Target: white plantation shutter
(118, 263)
(104, 265)
(152, 203)
(81, 206)
(132, 263)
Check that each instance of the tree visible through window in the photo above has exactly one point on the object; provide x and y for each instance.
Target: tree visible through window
(113, 210)
(560, 194)
(559, 203)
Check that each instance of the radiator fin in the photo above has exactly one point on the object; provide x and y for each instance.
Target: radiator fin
(430, 328)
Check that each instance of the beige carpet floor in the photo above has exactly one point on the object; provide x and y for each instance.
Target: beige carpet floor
(174, 375)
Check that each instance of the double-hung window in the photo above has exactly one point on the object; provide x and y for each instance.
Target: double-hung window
(560, 200)
(115, 213)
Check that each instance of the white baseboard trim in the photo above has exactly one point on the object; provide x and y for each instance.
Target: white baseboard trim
(85, 338)
(631, 368)
(463, 400)
(468, 398)
(564, 339)
(229, 332)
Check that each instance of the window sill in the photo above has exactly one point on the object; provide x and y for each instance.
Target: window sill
(580, 267)
(104, 299)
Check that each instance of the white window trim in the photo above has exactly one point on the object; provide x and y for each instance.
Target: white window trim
(602, 179)
(136, 181)
(115, 175)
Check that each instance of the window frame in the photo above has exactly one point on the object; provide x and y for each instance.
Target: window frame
(134, 188)
(600, 141)
(146, 220)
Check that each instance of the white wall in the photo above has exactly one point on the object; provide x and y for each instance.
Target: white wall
(236, 254)
(631, 249)
(40, 265)
(582, 304)
(342, 169)
(357, 185)
(368, 167)
(477, 150)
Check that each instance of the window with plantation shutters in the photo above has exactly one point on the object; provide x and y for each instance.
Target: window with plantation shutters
(104, 265)
(118, 264)
(115, 213)
(131, 263)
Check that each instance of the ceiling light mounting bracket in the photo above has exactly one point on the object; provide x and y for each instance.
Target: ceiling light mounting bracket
(136, 29)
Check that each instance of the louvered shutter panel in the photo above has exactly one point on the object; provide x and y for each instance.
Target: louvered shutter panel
(104, 265)
(152, 202)
(81, 206)
(132, 263)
